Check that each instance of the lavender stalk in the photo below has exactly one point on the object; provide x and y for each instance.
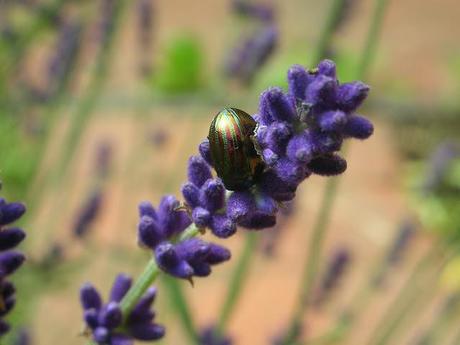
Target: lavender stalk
(295, 141)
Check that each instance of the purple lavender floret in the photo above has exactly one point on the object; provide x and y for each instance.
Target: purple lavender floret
(105, 321)
(209, 336)
(263, 12)
(205, 197)
(10, 260)
(157, 229)
(251, 54)
(192, 257)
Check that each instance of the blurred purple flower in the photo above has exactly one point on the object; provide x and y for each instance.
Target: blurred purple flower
(88, 214)
(158, 137)
(23, 337)
(145, 14)
(440, 161)
(209, 336)
(104, 153)
(248, 57)
(397, 249)
(262, 11)
(105, 321)
(106, 20)
(335, 270)
(64, 55)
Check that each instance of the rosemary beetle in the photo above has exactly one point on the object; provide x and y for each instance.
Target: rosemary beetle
(233, 153)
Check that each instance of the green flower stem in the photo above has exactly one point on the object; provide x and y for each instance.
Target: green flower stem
(441, 321)
(237, 281)
(372, 39)
(416, 284)
(312, 260)
(148, 276)
(179, 302)
(456, 338)
(327, 31)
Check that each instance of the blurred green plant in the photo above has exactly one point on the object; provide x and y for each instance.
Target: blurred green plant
(438, 208)
(181, 69)
(16, 157)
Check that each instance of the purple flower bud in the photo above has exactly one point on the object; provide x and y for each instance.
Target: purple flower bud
(275, 106)
(298, 80)
(239, 205)
(149, 232)
(120, 287)
(198, 171)
(290, 172)
(205, 151)
(332, 120)
(10, 212)
(201, 217)
(358, 127)
(10, 238)
(321, 91)
(170, 219)
(110, 315)
(272, 185)
(105, 320)
(213, 195)
(222, 226)
(169, 261)
(191, 194)
(10, 261)
(147, 332)
(301, 148)
(328, 165)
(351, 95)
(147, 209)
(90, 298)
(327, 68)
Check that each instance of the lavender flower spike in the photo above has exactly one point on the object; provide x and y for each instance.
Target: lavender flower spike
(251, 54)
(104, 321)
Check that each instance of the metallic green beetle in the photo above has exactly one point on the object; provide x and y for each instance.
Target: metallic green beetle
(233, 153)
